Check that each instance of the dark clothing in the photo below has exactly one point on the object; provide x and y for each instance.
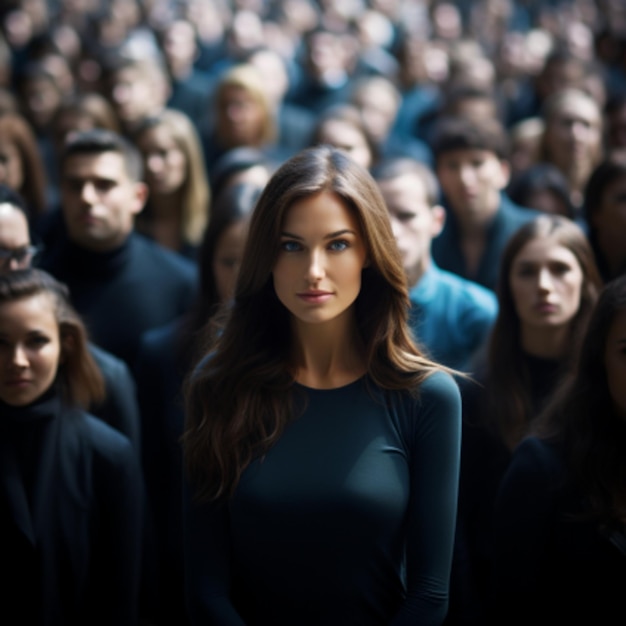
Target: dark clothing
(484, 460)
(160, 371)
(447, 246)
(70, 518)
(348, 519)
(120, 408)
(549, 567)
(122, 293)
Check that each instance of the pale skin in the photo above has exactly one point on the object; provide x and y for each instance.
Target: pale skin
(317, 277)
(546, 283)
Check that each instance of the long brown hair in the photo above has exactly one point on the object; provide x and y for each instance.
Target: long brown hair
(583, 418)
(509, 407)
(79, 378)
(238, 398)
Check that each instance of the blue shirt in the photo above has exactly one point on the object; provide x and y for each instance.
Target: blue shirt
(451, 316)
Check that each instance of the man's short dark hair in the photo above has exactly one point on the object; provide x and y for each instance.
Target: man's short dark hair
(458, 133)
(394, 167)
(97, 141)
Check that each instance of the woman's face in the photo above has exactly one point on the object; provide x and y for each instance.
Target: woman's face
(615, 361)
(240, 118)
(11, 170)
(546, 284)
(317, 275)
(30, 349)
(227, 258)
(165, 162)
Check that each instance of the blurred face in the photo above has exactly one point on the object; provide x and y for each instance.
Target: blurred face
(379, 109)
(30, 349)
(15, 248)
(471, 180)
(99, 200)
(165, 162)
(134, 95)
(574, 134)
(11, 171)
(317, 275)
(615, 361)
(546, 284)
(227, 258)
(609, 222)
(346, 137)
(241, 118)
(414, 222)
(41, 99)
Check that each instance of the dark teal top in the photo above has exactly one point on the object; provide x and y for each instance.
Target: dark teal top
(349, 518)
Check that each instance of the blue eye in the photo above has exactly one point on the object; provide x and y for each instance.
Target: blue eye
(338, 245)
(290, 246)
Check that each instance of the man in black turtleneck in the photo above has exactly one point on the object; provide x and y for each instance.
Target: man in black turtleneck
(120, 282)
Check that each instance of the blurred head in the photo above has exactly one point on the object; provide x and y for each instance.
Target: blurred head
(342, 127)
(174, 164)
(605, 212)
(548, 279)
(43, 340)
(411, 193)
(471, 165)
(244, 113)
(16, 249)
(378, 100)
(101, 189)
(239, 165)
(40, 95)
(21, 165)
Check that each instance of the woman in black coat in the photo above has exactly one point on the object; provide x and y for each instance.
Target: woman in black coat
(70, 485)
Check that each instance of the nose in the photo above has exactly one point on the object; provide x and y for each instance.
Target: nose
(467, 175)
(88, 193)
(155, 163)
(19, 357)
(544, 280)
(315, 268)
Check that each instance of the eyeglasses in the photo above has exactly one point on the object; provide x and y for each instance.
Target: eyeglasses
(23, 257)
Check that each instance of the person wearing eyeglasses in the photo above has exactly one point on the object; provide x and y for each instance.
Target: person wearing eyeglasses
(17, 251)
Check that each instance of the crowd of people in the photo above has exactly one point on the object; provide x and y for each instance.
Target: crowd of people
(312, 312)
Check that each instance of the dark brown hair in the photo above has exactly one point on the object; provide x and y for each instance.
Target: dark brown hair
(239, 397)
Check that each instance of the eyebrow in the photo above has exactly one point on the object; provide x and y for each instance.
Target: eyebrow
(338, 233)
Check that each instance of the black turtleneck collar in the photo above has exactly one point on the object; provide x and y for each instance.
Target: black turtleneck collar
(82, 261)
(45, 407)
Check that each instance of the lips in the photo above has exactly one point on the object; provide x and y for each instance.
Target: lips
(315, 297)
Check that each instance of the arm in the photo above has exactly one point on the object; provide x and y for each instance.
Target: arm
(431, 519)
(207, 563)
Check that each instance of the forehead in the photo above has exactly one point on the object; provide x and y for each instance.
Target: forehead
(322, 213)
(156, 135)
(407, 187)
(577, 109)
(467, 155)
(101, 165)
(12, 220)
(545, 249)
(28, 313)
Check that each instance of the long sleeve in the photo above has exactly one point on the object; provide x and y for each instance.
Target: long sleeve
(433, 504)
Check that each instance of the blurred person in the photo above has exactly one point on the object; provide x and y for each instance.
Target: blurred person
(21, 165)
(605, 214)
(71, 486)
(121, 282)
(525, 144)
(546, 290)
(615, 122)
(342, 126)
(559, 554)
(178, 204)
(164, 359)
(471, 162)
(573, 138)
(451, 317)
(240, 165)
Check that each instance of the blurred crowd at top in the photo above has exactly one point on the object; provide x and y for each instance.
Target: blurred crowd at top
(72, 64)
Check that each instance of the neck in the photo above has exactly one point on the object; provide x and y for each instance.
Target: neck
(545, 343)
(415, 273)
(328, 355)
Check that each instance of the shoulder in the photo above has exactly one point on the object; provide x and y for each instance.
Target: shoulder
(109, 364)
(157, 258)
(515, 212)
(440, 387)
(467, 290)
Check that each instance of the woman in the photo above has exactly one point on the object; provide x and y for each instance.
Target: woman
(70, 486)
(560, 555)
(21, 166)
(178, 203)
(165, 356)
(321, 446)
(547, 287)
(605, 214)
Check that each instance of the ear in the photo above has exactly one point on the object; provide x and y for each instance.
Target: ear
(438, 220)
(505, 174)
(141, 197)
